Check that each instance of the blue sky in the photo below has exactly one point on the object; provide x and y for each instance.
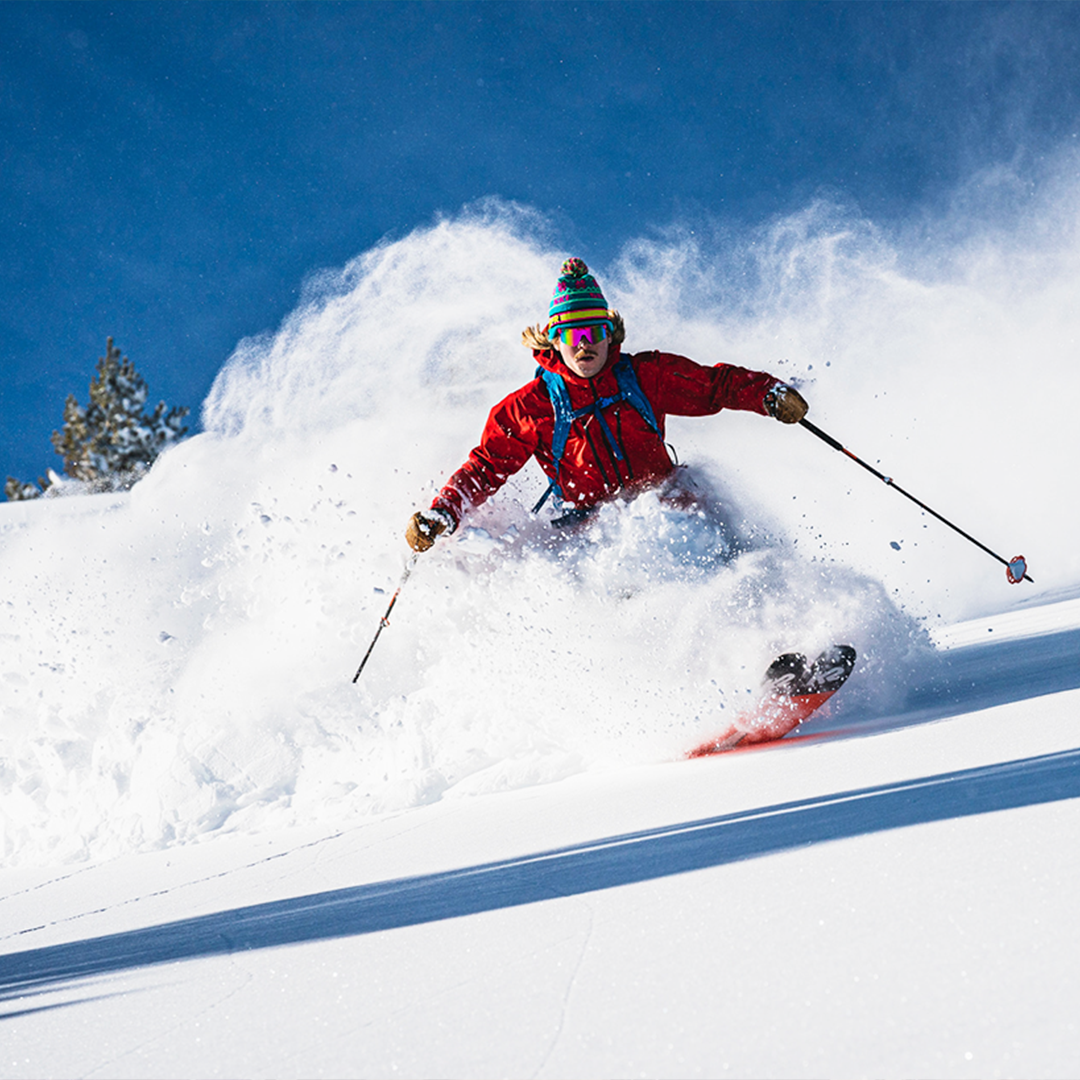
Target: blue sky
(171, 173)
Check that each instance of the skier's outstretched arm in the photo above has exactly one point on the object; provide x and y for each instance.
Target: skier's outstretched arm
(678, 386)
(509, 440)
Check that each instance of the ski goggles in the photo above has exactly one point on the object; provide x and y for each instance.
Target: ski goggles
(575, 336)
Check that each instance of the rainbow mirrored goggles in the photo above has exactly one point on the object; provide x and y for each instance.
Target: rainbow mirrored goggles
(575, 336)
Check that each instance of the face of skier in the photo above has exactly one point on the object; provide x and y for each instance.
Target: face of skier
(585, 358)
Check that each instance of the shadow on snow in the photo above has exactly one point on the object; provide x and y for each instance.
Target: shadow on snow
(980, 676)
(583, 868)
(969, 678)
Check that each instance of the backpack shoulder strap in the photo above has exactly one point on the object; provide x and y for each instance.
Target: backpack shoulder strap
(564, 417)
(631, 391)
(564, 411)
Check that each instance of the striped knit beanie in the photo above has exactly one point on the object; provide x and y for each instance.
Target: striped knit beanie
(577, 300)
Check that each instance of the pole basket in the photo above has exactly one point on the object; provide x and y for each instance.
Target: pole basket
(1016, 569)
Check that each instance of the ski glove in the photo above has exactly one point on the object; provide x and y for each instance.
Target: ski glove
(425, 526)
(786, 404)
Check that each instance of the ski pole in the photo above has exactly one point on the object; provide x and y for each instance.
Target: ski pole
(1015, 568)
(384, 622)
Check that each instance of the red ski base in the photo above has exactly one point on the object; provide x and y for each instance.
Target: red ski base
(793, 690)
(772, 720)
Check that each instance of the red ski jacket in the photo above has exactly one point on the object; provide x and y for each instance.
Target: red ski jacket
(521, 426)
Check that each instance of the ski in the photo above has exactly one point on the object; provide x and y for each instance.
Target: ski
(793, 690)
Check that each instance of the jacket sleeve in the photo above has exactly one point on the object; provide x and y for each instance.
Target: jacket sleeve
(680, 387)
(508, 441)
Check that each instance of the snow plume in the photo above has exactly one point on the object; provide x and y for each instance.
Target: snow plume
(944, 354)
(176, 660)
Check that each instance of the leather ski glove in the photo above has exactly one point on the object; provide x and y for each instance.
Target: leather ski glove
(424, 527)
(786, 404)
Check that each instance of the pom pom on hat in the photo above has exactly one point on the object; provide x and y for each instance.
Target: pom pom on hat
(577, 300)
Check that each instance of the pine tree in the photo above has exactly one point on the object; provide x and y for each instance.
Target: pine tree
(17, 490)
(111, 442)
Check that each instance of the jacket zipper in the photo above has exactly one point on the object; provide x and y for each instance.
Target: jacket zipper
(611, 453)
(622, 445)
(596, 456)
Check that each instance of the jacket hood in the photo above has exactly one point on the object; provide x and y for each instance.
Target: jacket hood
(550, 360)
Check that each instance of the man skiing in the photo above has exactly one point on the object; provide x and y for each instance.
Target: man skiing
(593, 418)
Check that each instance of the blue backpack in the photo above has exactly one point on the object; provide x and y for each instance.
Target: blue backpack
(565, 414)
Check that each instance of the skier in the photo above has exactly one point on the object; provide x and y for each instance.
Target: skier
(593, 418)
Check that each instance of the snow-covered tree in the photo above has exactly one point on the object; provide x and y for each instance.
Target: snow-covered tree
(111, 442)
(16, 490)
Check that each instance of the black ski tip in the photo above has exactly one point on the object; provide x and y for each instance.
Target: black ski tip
(790, 674)
(831, 669)
(787, 673)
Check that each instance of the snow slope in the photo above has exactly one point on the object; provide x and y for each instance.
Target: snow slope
(222, 858)
(900, 904)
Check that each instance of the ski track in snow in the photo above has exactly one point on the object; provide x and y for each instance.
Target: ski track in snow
(570, 983)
